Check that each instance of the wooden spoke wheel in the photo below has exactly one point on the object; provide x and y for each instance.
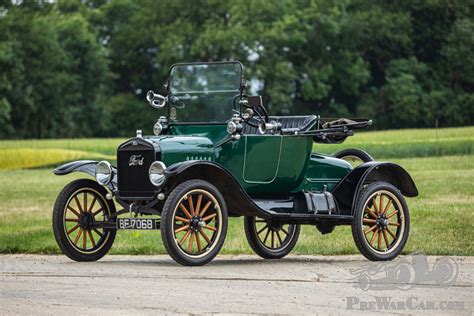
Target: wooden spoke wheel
(353, 156)
(270, 240)
(78, 209)
(194, 222)
(381, 226)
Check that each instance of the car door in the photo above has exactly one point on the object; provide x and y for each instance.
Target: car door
(262, 154)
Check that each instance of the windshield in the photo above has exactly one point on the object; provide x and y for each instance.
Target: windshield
(203, 92)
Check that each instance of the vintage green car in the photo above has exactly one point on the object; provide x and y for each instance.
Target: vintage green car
(217, 153)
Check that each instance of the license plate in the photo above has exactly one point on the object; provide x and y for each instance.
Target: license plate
(137, 223)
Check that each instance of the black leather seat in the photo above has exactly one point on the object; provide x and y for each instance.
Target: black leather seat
(301, 123)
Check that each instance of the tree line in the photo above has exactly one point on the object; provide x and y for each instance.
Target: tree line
(82, 68)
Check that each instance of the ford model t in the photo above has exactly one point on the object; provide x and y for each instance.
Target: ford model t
(217, 153)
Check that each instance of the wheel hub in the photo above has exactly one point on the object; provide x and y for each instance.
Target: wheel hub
(195, 223)
(382, 222)
(86, 220)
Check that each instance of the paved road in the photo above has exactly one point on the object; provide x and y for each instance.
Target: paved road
(31, 284)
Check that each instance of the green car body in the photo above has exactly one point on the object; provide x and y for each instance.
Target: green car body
(260, 163)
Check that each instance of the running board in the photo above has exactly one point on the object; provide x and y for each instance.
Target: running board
(301, 218)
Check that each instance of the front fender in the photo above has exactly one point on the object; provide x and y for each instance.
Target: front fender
(347, 190)
(85, 166)
(237, 200)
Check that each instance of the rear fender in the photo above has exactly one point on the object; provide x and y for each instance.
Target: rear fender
(237, 200)
(347, 190)
(85, 166)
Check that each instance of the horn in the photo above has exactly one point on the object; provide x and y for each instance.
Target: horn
(273, 126)
(155, 100)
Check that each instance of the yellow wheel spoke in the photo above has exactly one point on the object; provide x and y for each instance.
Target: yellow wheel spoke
(392, 214)
(205, 208)
(387, 207)
(91, 238)
(185, 211)
(78, 236)
(85, 202)
(374, 204)
(73, 210)
(198, 242)
(191, 241)
(84, 239)
(203, 234)
(182, 219)
(93, 203)
(183, 239)
(191, 205)
(385, 238)
(210, 228)
(98, 232)
(198, 204)
(373, 236)
(78, 204)
(369, 221)
(209, 217)
(391, 234)
(97, 212)
(381, 203)
(371, 213)
(370, 229)
(72, 229)
(181, 229)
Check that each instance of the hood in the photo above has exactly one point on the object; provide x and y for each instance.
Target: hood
(181, 148)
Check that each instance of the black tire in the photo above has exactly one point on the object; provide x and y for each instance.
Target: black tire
(104, 239)
(199, 226)
(270, 251)
(354, 156)
(380, 222)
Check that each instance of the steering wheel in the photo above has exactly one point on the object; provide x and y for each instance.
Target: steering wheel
(249, 103)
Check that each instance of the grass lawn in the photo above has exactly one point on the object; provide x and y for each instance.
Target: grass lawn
(441, 217)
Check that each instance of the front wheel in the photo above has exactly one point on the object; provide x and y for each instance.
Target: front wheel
(381, 222)
(270, 240)
(194, 223)
(79, 206)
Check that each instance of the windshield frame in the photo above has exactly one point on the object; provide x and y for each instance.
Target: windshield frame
(169, 93)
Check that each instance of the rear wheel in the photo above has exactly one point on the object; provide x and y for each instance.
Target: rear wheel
(270, 240)
(78, 207)
(354, 156)
(381, 222)
(194, 223)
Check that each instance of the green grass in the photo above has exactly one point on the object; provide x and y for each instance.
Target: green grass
(442, 216)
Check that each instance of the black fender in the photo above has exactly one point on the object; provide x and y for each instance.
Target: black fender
(347, 190)
(237, 200)
(85, 166)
